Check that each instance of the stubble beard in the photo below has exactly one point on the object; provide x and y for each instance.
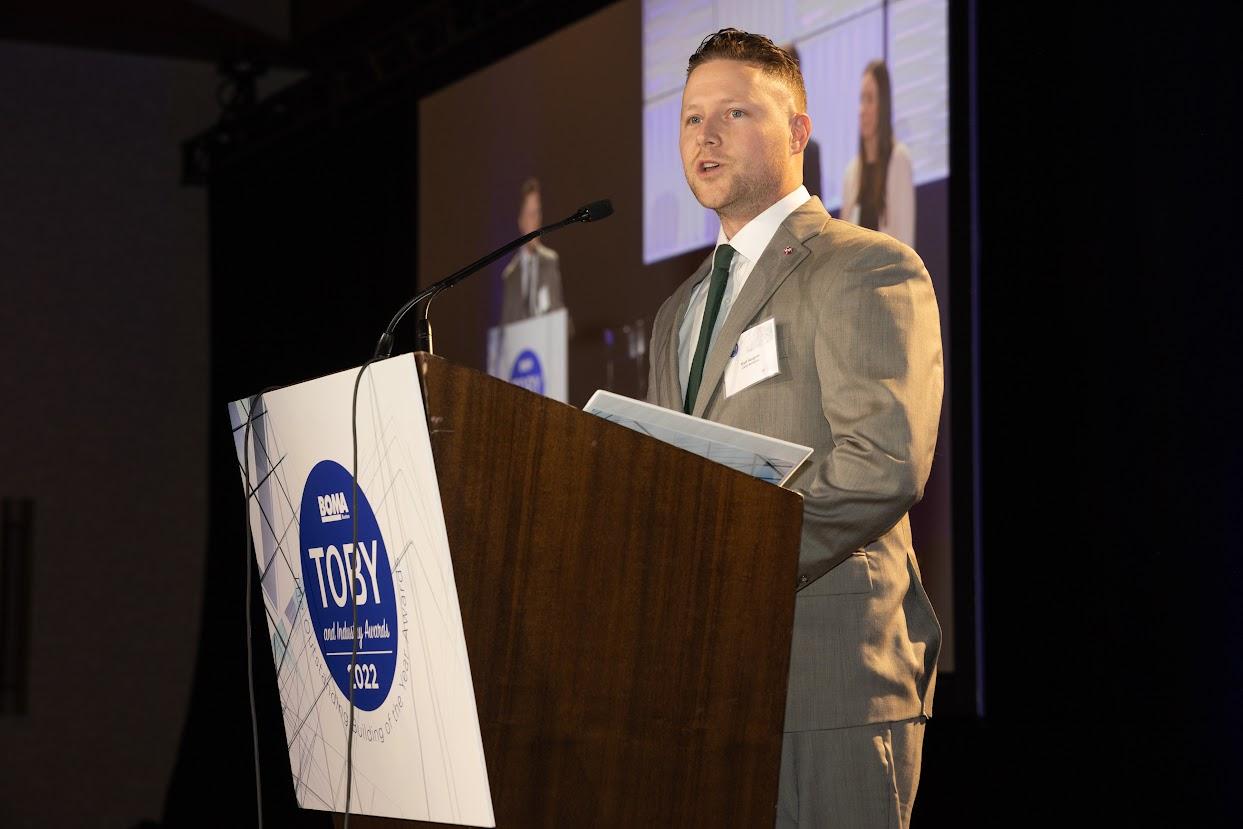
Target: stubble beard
(748, 195)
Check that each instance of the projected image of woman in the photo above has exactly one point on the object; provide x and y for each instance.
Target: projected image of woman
(878, 187)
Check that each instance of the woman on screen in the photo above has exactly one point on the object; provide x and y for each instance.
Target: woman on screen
(878, 187)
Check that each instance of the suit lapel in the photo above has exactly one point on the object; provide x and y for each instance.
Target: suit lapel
(772, 269)
(672, 390)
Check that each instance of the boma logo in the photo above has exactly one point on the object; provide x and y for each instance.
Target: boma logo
(333, 507)
(527, 372)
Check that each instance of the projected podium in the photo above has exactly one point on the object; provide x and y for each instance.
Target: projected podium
(626, 609)
(532, 353)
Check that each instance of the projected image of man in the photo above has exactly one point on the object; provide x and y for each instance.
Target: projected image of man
(531, 282)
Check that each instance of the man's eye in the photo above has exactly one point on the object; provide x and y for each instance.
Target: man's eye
(736, 113)
(692, 119)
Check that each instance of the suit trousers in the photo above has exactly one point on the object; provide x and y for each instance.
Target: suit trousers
(850, 778)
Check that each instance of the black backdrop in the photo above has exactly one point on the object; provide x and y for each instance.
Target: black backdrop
(312, 248)
(1108, 370)
(1110, 455)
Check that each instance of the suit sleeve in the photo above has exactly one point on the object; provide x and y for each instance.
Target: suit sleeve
(878, 358)
(556, 299)
(656, 356)
(651, 373)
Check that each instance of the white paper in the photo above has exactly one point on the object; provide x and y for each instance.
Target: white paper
(759, 456)
(754, 358)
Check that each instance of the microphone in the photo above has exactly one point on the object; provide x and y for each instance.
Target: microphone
(593, 212)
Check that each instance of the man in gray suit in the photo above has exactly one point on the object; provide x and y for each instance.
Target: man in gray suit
(859, 377)
(531, 282)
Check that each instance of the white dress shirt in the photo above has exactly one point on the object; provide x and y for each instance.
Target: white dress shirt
(748, 244)
(899, 218)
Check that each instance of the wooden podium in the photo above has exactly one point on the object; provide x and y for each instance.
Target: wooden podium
(627, 609)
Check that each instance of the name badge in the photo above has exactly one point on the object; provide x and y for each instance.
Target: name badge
(754, 358)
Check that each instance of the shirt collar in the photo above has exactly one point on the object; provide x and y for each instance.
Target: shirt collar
(755, 235)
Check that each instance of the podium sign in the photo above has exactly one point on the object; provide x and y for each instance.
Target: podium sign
(532, 353)
(417, 752)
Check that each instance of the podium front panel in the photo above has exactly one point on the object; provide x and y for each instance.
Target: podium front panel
(627, 608)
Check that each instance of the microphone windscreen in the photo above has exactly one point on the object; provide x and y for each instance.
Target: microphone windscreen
(597, 210)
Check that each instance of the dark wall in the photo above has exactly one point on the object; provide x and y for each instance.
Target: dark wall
(1109, 301)
(103, 337)
(311, 251)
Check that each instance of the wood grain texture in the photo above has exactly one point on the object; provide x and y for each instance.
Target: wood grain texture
(627, 609)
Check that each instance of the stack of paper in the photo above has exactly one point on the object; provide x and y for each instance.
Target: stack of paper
(759, 456)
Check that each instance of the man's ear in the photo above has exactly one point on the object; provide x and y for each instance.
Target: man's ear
(800, 132)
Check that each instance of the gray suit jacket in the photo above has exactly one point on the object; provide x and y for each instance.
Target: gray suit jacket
(514, 305)
(859, 349)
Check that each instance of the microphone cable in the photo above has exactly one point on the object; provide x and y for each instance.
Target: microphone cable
(355, 566)
(355, 571)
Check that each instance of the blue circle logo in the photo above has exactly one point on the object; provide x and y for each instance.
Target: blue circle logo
(527, 372)
(328, 556)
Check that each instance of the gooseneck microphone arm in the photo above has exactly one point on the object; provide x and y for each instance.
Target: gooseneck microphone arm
(384, 348)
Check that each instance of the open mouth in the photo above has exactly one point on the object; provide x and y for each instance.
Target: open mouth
(708, 166)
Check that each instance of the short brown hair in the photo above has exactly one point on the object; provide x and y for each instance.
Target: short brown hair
(733, 44)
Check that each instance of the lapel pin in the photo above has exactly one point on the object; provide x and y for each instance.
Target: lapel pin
(788, 250)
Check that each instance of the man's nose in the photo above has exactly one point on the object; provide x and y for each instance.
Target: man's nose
(708, 137)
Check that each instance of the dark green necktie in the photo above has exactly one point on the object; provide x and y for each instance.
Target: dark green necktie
(716, 290)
